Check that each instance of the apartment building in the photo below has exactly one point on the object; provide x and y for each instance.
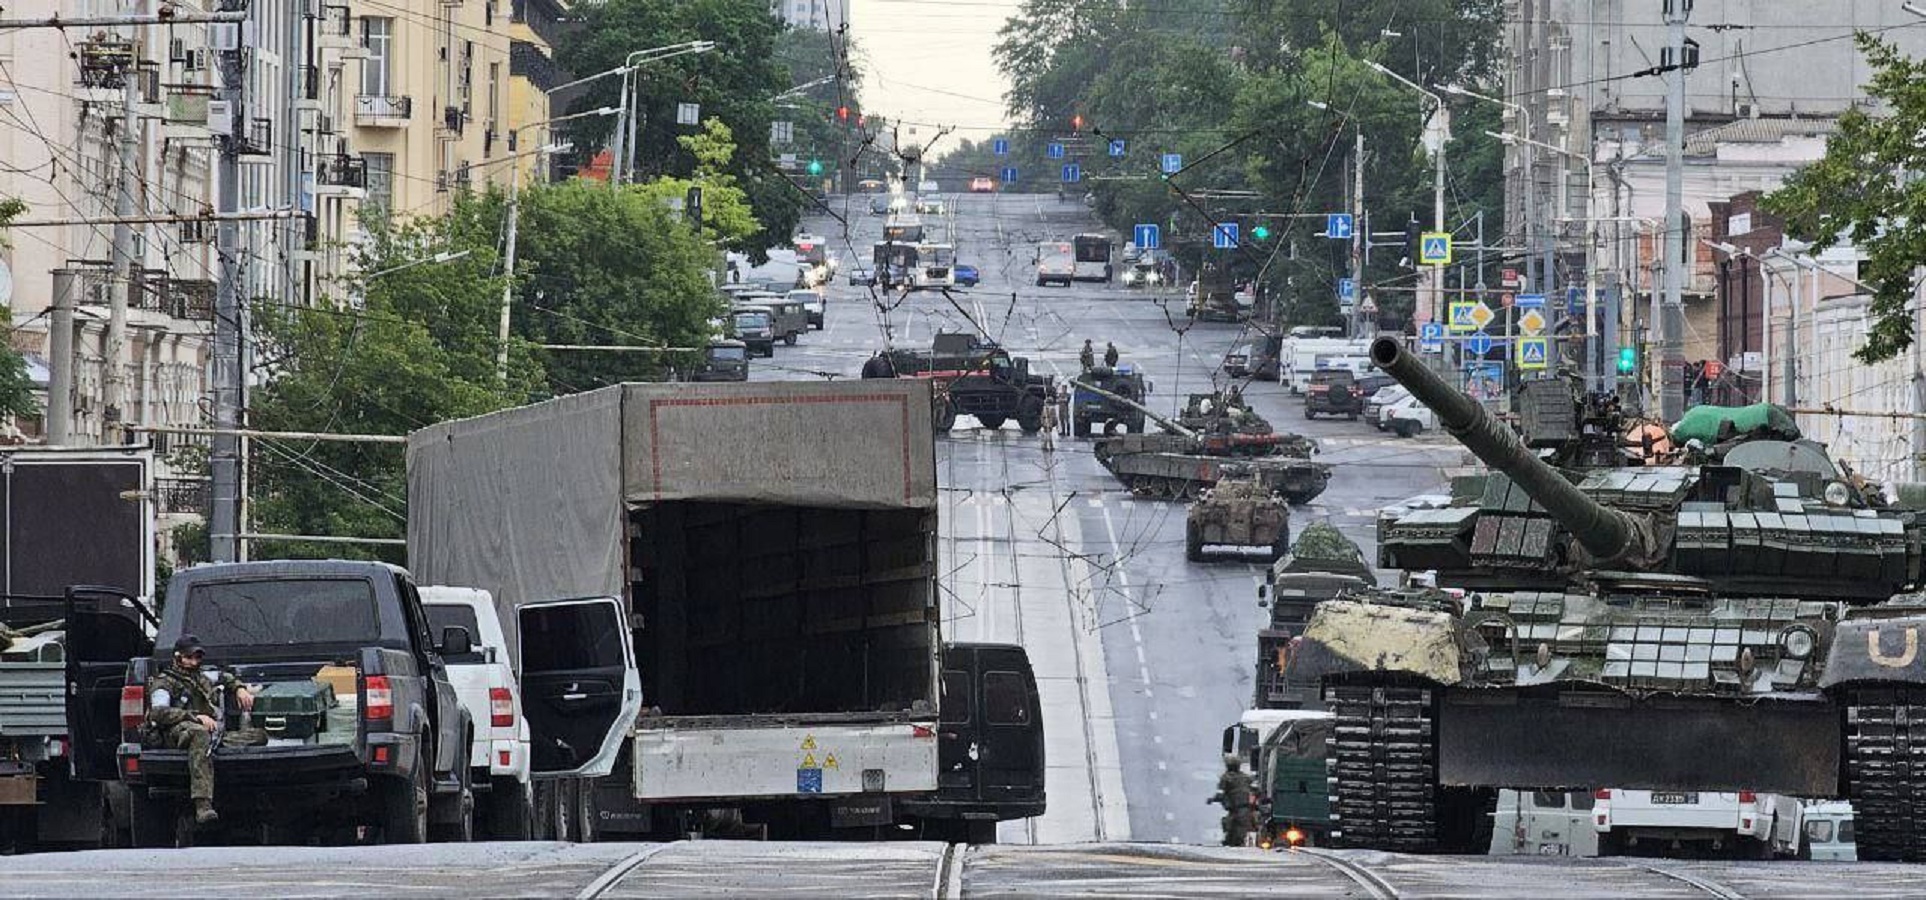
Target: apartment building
(822, 15)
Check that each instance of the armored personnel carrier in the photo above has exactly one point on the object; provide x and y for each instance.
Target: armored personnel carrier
(1239, 512)
(1725, 622)
(1090, 409)
(1322, 564)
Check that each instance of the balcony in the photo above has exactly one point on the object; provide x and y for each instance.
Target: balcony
(340, 175)
(378, 111)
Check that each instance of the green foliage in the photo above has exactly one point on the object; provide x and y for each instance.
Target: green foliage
(16, 387)
(1867, 190)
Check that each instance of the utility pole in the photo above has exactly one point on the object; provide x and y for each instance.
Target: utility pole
(508, 258)
(1672, 312)
(60, 359)
(1358, 237)
(224, 463)
(114, 379)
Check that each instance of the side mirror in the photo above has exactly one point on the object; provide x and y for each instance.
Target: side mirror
(456, 641)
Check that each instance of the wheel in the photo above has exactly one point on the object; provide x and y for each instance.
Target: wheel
(1080, 427)
(154, 821)
(990, 422)
(456, 814)
(943, 417)
(404, 807)
(1029, 414)
(1281, 545)
(1352, 416)
(789, 340)
(581, 794)
(1308, 414)
(1404, 429)
(979, 832)
(549, 821)
(1193, 542)
(508, 813)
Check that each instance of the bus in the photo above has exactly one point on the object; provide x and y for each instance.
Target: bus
(1093, 257)
(894, 264)
(907, 229)
(937, 266)
(1055, 263)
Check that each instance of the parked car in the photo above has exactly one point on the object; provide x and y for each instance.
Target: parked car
(928, 186)
(813, 303)
(982, 185)
(485, 684)
(966, 275)
(1409, 418)
(1333, 392)
(862, 276)
(1385, 396)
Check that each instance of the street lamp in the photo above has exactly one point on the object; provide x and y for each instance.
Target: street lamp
(625, 126)
(439, 257)
(1596, 325)
(1530, 179)
(514, 197)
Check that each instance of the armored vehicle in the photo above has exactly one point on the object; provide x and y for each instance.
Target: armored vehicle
(970, 377)
(1181, 462)
(1222, 412)
(1321, 565)
(1239, 512)
(1089, 408)
(1722, 621)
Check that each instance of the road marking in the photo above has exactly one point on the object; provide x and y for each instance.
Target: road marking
(619, 871)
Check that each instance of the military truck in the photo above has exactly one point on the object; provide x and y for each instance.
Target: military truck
(970, 376)
(69, 518)
(1284, 750)
(1239, 511)
(1256, 357)
(1089, 409)
(767, 557)
(754, 326)
(724, 360)
(1321, 565)
(1213, 296)
(1741, 617)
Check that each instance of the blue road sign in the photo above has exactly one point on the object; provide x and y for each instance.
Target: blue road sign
(1479, 344)
(1148, 237)
(1337, 226)
(1072, 173)
(1224, 236)
(1000, 146)
(1529, 301)
(1116, 148)
(1009, 174)
(1431, 337)
(1347, 289)
(1532, 353)
(1173, 163)
(1434, 249)
(1055, 151)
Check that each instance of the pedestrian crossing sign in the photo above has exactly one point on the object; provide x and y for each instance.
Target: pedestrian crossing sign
(1468, 315)
(1434, 248)
(1532, 353)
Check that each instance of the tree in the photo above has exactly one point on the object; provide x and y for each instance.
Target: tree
(726, 214)
(1867, 189)
(421, 349)
(16, 386)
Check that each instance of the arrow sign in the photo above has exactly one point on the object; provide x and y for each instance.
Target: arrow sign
(1431, 337)
(1000, 146)
(1009, 174)
(1434, 248)
(1148, 237)
(1072, 173)
(1532, 353)
(1479, 344)
(1223, 236)
(1337, 226)
(1054, 151)
(1173, 163)
(1116, 148)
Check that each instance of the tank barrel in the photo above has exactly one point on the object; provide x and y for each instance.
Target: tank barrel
(1162, 422)
(1605, 533)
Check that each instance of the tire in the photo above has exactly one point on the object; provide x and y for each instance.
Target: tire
(1193, 542)
(1029, 414)
(1308, 414)
(154, 822)
(547, 821)
(581, 812)
(979, 833)
(404, 807)
(1404, 429)
(462, 829)
(990, 422)
(943, 418)
(509, 812)
(1080, 427)
(789, 340)
(1351, 416)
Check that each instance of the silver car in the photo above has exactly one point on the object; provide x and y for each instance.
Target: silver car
(1374, 407)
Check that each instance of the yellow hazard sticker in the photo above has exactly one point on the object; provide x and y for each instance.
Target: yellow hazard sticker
(809, 761)
(829, 762)
(809, 742)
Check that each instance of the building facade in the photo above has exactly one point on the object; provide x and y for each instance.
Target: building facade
(821, 15)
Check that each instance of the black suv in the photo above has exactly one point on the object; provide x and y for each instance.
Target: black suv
(390, 750)
(1333, 392)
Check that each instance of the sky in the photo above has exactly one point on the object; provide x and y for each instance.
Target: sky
(928, 61)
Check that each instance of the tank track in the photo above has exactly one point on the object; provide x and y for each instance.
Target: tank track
(1886, 772)
(1383, 768)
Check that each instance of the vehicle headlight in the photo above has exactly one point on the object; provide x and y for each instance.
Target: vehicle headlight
(1798, 641)
(1837, 494)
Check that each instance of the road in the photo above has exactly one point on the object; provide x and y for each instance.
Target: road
(1142, 657)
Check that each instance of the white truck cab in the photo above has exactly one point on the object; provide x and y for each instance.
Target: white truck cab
(485, 684)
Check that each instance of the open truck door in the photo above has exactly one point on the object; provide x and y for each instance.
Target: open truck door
(580, 688)
(105, 629)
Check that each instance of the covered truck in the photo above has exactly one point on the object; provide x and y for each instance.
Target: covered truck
(773, 546)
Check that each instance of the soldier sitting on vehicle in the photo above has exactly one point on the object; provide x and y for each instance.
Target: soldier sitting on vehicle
(184, 713)
(1234, 793)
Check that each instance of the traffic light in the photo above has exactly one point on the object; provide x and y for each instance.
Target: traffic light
(1076, 122)
(842, 113)
(815, 167)
(1261, 233)
(1413, 239)
(1627, 360)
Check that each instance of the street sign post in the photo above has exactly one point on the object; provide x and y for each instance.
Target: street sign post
(1466, 316)
(1009, 174)
(1000, 146)
(1347, 289)
(1431, 337)
(1148, 236)
(1223, 236)
(1072, 173)
(1055, 150)
(1532, 352)
(1117, 148)
(1337, 226)
(1434, 248)
(1173, 163)
(1478, 344)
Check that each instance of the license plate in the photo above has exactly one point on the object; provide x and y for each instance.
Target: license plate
(1674, 797)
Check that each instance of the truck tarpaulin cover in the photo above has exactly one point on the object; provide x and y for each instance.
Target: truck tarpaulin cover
(531, 502)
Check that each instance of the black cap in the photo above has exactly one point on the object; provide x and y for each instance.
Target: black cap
(188, 645)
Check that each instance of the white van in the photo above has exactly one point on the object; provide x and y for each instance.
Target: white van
(1733, 823)
(485, 683)
(1829, 831)
(1543, 823)
(1299, 356)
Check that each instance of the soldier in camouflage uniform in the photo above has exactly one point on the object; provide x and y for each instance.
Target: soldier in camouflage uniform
(1234, 792)
(183, 714)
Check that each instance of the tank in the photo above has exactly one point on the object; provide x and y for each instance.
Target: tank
(1180, 462)
(1738, 616)
(1240, 511)
(1322, 564)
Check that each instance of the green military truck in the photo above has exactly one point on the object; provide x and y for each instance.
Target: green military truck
(1091, 409)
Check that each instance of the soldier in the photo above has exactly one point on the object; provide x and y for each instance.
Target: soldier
(1110, 354)
(1050, 421)
(1234, 792)
(1089, 356)
(183, 705)
(1236, 397)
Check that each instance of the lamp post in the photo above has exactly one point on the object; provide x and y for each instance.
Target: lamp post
(625, 126)
(508, 258)
(1438, 175)
(1530, 177)
(1595, 360)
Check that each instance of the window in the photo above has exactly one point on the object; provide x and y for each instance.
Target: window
(442, 615)
(1845, 831)
(380, 180)
(494, 95)
(570, 637)
(252, 614)
(1583, 800)
(1819, 831)
(955, 702)
(1548, 799)
(377, 71)
(1005, 702)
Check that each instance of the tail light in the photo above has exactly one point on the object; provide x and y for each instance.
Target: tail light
(1293, 837)
(380, 702)
(501, 708)
(922, 731)
(133, 706)
(1748, 797)
(1602, 794)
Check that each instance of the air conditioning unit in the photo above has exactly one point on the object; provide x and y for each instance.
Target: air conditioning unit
(325, 125)
(224, 36)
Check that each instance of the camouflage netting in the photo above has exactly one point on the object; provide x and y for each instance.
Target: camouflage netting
(1321, 547)
(1708, 424)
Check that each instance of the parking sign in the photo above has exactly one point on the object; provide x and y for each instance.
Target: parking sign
(1117, 148)
(1000, 146)
(1173, 163)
